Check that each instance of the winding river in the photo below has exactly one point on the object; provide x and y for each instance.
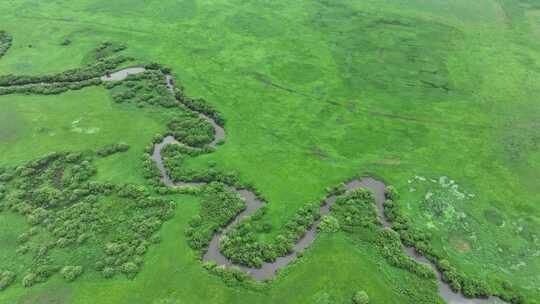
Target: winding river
(253, 203)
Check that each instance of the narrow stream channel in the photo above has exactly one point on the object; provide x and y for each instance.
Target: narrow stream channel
(268, 270)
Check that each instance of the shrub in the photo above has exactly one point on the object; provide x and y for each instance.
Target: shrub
(199, 105)
(22, 249)
(29, 280)
(474, 288)
(6, 279)
(145, 89)
(70, 273)
(58, 83)
(155, 239)
(233, 276)
(391, 193)
(63, 242)
(112, 149)
(23, 238)
(45, 271)
(193, 131)
(99, 265)
(360, 297)
(328, 224)
(240, 245)
(108, 272)
(107, 49)
(65, 42)
(5, 42)
(72, 214)
(130, 269)
(355, 209)
(82, 238)
(218, 208)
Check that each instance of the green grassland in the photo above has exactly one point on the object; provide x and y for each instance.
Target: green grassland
(313, 93)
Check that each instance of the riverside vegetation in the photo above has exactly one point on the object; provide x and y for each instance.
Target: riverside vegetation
(108, 228)
(5, 42)
(78, 216)
(300, 116)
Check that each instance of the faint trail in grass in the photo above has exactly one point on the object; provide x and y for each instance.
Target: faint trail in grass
(268, 82)
(265, 80)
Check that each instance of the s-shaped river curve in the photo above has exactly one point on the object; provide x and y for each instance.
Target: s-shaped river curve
(253, 203)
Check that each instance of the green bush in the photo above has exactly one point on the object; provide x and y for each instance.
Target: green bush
(328, 224)
(5, 42)
(29, 280)
(240, 245)
(70, 273)
(391, 193)
(74, 79)
(218, 208)
(62, 80)
(145, 89)
(22, 249)
(76, 212)
(360, 297)
(107, 49)
(112, 149)
(6, 279)
(193, 131)
(355, 209)
(233, 276)
(130, 269)
(65, 42)
(108, 272)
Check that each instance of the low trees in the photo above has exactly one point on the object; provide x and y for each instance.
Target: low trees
(112, 149)
(218, 208)
(95, 70)
(73, 79)
(241, 246)
(107, 49)
(233, 276)
(6, 278)
(29, 280)
(355, 209)
(199, 105)
(329, 224)
(130, 269)
(360, 297)
(5, 42)
(70, 273)
(145, 89)
(191, 130)
(77, 213)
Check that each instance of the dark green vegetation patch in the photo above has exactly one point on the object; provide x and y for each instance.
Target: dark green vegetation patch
(5, 42)
(96, 226)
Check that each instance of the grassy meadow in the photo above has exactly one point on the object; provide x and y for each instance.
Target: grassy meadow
(417, 93)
